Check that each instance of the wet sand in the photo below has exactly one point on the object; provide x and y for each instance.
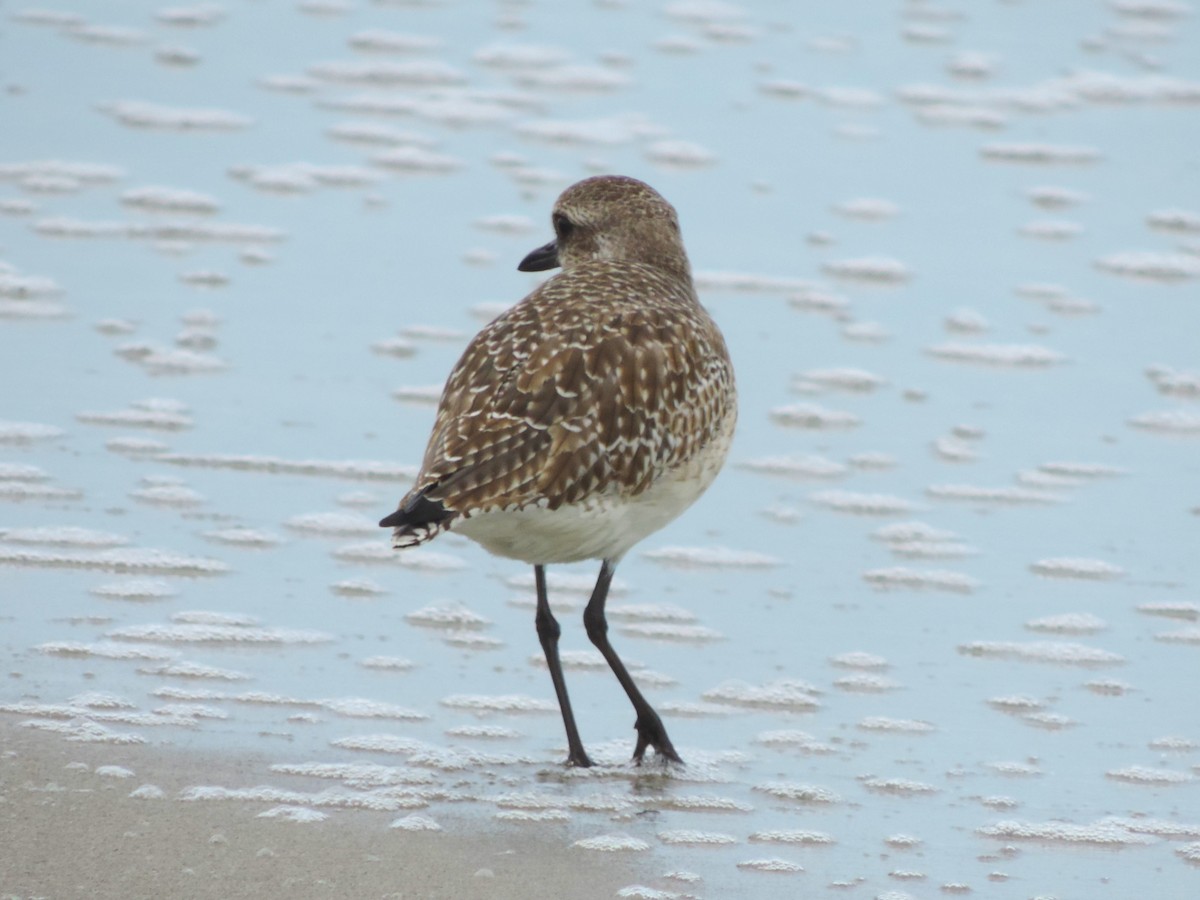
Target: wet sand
(67, 831)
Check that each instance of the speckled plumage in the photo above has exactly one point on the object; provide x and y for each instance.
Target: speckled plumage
(586, 417)
(602, 381)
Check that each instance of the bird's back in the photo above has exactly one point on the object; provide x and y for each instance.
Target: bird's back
(593, 387)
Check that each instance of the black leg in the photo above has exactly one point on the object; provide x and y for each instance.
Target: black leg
(548, 632)
(651, 732)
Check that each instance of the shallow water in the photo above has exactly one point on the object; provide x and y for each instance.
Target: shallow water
(955, 254)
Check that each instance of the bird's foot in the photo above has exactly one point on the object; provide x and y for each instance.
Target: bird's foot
(578, 759)
(651, 733)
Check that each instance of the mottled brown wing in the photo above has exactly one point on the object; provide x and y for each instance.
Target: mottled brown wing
(562, 397)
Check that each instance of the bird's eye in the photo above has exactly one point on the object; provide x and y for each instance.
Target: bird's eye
(562, 225)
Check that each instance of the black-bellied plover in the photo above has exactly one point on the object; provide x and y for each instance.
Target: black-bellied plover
(587, 416)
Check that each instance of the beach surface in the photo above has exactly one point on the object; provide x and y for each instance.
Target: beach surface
(68, 829)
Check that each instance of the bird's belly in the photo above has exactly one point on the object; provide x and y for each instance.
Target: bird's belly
(605, 526)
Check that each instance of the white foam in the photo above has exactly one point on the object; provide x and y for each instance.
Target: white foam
(876, 269)
(498, 703)
(1108, 687)
(1015, 356)
(802, 837)
(844, 378)
(378, 40)
(1180, 636)
(533, 816)
(1074, 567)
(572, 78)
(607, 131)
(612, 843)
(862, 504)
(208, 617)
(870, 209)
(1175, 220)
(872, 460)
(387, 663)
(302, 814)
(332, 524)
(797, 467)
(122, 559)
(1151, 265)
(858, 659)
(697, 803)
(139, 114)
(363, 708)
(356, 775)
(27, 432)
(426, 394)
(1182, 609)
(139, 416)
(420, 560)
(386, 73)
(807, 794)
(784, 694)
(103, 650)
(711, 557)
(133, 446)
(1005, 496)
(471, 640)
(1068, 623)
(168, 495)
(900, 787)
(749, 282)
(867, 332)
(680, 154)
(1175, 383)
(1050, 229)
(358, 470)
(416, 159)
(60, 535)
(243, 537)
(931, 549)
(484, 732)
(22, 491)
(782, 866)
(184, 669)
(866, 683)
(580, 660)
(691, 837)
(1040, 154)
(169, 200)
(358, 587)
(87, 732)
(664, 631)
(136, 589)
(385, 800)
(1102, 833)
(909, 532)
(447, 616)
(414, 822)
(650, 612)
(1168, 421)
(1059, 652)
(184, 633)
(887, 724)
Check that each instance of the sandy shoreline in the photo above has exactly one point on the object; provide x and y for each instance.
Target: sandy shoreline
(68, 831)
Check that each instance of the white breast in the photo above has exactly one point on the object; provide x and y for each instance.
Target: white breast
(605, 526)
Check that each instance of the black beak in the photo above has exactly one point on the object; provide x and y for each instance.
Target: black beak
(541, 259)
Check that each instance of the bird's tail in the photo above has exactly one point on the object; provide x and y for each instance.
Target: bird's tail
(418, 519)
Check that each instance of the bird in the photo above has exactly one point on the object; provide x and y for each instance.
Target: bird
(584, 418)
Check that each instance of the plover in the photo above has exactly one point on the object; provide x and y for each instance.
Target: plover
(585, 417)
